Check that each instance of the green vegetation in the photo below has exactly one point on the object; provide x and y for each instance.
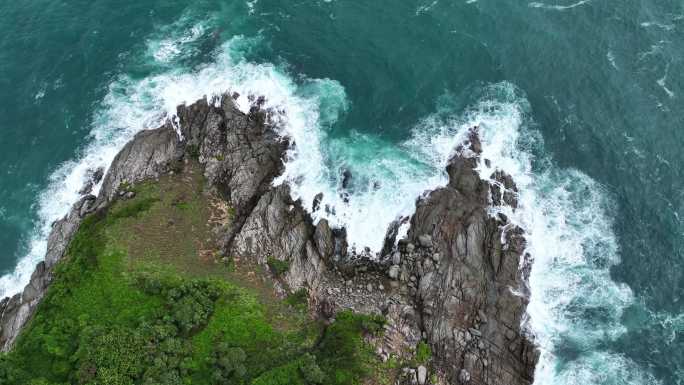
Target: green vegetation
(298, 299)
(343, 355)
(423, 353)
(136, 301)
(277, 266)
(193, 150)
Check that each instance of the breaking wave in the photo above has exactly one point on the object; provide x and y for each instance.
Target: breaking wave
(575, 306)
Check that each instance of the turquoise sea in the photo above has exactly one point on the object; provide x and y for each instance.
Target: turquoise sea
(582, 101)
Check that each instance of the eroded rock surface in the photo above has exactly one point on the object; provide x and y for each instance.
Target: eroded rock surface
(451, 283)
(150, 154)
(472, 295)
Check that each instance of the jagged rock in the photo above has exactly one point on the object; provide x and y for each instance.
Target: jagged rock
(97, 175)
(94, 178)
(241, 154)
(461, 273)
(504, 190)
(482, 315)
(64, 229)
(425, 240)
(316, 202)
(476, 275)
(394, 272)
(346, 179)
(422, 374)
(327, 308)
(280, 226)
(464, 377)
(87, 188)
(148, 155)
(324, 240)
(396, 258)
(510, 334)
(391, 235)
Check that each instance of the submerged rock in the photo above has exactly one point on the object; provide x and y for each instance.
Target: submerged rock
(346, 179)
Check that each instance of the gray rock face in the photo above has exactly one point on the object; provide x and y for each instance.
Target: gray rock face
(448, 284)
(280, 228)
(148, 155)
(241, 154)
(422, 374)
(468, 305)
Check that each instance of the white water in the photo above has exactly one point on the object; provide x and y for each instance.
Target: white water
(566, 215)
(133, 105)
(566, 219)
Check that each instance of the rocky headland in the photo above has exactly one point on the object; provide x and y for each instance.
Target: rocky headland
(456, 283)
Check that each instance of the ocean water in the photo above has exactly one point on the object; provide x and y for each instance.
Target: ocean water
(581, 101)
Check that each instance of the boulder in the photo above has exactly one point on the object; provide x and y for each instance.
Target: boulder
(425, 240)
(422, 375)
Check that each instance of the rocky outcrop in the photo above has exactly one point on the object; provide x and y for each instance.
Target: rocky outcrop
(470, 290)
(148, 155)
(241, 153)
(454, 282)
(17, 310)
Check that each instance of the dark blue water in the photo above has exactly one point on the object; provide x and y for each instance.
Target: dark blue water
(580, 100)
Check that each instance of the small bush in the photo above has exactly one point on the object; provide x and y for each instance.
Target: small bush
(231, 212)
(298, 299)
(423, 353)
(310, 370)
(132, 208)
(229, 364)
(278, 267)
(193, 151)
(182, 205)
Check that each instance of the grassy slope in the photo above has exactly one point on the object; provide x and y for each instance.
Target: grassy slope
(143, 298)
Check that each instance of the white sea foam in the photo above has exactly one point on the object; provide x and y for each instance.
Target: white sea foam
(564, 213)
(566, 219)
(175, 42)
(558, 7)
(133, 105)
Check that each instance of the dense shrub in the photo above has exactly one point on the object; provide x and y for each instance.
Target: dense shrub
(277, 266)
(312, 373)
(229, 364)
(298, 299)
(423, 353)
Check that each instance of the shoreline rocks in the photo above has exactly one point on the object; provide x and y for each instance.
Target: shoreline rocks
(446, 284)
